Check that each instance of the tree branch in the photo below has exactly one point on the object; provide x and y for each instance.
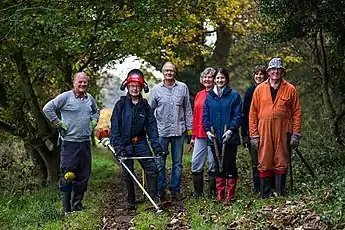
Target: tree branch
(7, 128)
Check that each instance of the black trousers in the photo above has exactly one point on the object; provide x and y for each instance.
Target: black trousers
(229, 161)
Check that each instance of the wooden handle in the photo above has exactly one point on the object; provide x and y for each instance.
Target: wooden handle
(215, 142)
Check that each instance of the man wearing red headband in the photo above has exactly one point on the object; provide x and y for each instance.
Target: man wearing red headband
(131, 121)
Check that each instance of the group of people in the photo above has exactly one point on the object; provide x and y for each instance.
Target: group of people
(269, 118)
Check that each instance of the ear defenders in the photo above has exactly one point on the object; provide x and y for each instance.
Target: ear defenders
(135, 75)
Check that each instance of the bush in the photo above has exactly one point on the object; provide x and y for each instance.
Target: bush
(16, 165)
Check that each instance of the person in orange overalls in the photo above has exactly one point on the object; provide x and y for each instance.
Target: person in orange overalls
(274, 127)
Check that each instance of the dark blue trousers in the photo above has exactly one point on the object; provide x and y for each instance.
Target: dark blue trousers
(140, 149)
(75, 157)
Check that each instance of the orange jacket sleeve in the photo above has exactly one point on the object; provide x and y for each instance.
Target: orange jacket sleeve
(296, 113)
(253, 116)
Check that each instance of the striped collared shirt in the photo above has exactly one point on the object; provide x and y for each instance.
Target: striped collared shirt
(172, 109)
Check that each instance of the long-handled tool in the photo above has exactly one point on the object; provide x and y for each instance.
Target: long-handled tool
(290, 166)
(216, 150)
(290, 161)
(106, 143)
(223, 151)
(305, 163)
(137, 158)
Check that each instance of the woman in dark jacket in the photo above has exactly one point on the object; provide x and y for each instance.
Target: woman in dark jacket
(222, 114)
(259, 76)
(132, 120)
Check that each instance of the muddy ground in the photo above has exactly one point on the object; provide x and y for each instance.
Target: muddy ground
(117, 217)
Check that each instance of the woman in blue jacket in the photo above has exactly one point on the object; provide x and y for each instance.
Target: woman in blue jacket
(222, 114)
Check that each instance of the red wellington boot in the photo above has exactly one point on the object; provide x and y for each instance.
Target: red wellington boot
(220, 186)
(231, 187)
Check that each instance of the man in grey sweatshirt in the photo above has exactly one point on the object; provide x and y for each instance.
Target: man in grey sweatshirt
(79, 115)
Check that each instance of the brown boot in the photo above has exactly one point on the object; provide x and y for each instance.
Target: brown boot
(220, 186)
(231, 186)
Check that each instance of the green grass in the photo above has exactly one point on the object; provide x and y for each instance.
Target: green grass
(324, 195)
(42, 209)
(205, 213)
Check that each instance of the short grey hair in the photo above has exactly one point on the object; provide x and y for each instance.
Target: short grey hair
(208, 70)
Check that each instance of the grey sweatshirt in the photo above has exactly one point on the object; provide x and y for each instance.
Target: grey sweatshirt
(77, 113)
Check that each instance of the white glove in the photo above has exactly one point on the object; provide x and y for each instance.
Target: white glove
(210, 135)
(227, 136)
(105, 141)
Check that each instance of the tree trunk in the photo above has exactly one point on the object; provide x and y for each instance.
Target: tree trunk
(51, 159)
(67, 72)
(48, 161)
(3, 98)
(42, 124)
(222, 46)
(199, 60)
(333, 113)
(38, 162)
(325, 81)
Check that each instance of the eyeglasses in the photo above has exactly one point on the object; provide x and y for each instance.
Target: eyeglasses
(134, 86)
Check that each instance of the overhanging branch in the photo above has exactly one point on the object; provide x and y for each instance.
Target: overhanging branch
(7, 128)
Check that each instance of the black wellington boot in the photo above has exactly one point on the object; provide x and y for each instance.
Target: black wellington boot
(265, 187)
(212, 192)
(130, 195)
(280, 180)
(273, 181)
(152, 187)
(76, 200)
(198, 183)
(66, 202)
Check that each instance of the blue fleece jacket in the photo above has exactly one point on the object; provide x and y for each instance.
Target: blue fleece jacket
(121, 127)
(221, 111)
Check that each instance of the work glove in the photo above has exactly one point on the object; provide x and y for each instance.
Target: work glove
(105, 141)
(245, 142)
(210, 135)
(189, 136)
(161, 153)
(93, 124)
(192, 142)
(294, 142)
(226, 136)
(255, 143)
(125, 154)
(62, 125)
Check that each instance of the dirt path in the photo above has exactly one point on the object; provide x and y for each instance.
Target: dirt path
(178, 214)
(116, 217)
